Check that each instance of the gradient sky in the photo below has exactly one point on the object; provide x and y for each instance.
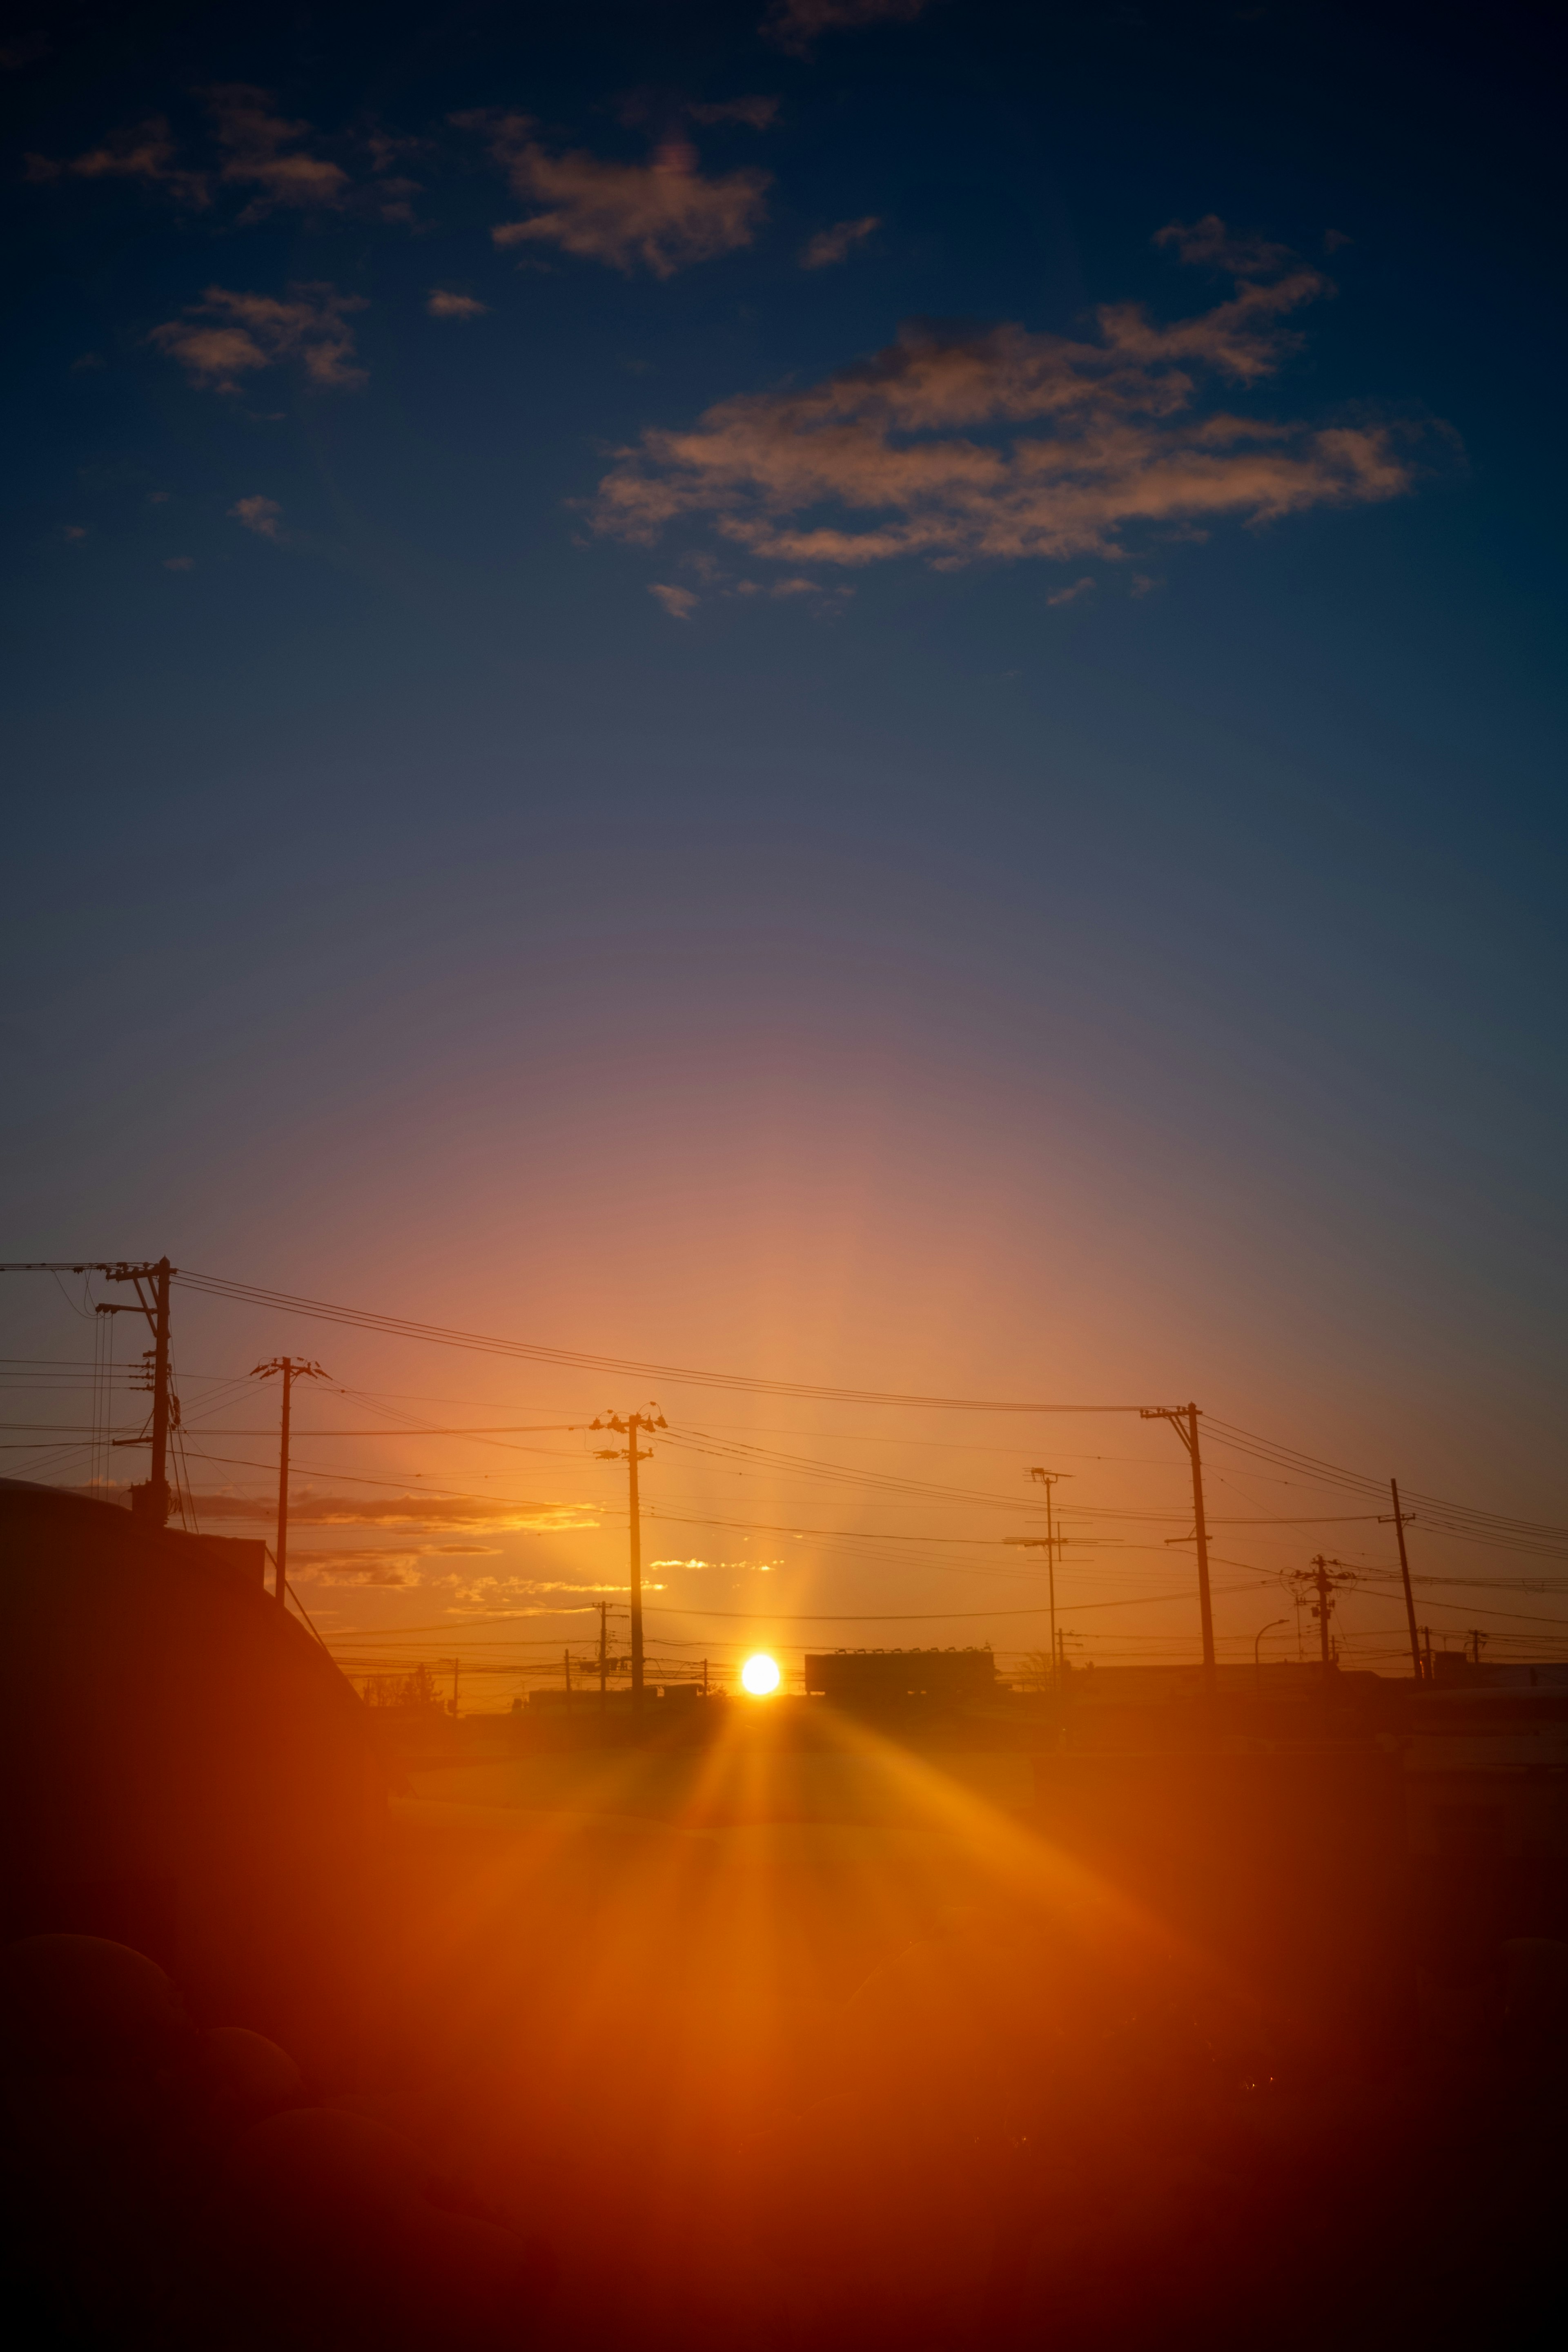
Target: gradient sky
(873, 697)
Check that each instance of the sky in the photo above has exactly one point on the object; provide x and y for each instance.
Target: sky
(858, 692)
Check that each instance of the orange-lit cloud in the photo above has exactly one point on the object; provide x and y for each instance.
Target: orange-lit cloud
(145, 152)
(263, 515)
(836, 244)
(441, 304)
(1207, 243)
(750, 1567)
(1071, 594)
(227, 336)
(367, 1566)
(260, 154)
(662, 215)
(679, 602)
(886, 459)
(755, 113)
(477, 1514)
(795, 24)
(262, 151)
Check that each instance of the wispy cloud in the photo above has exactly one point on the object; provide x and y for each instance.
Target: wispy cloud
(423, 1514)
(679, 602)
(146, 152)
(260, 155)
(837, 244)
(227, 336)
(728, 1567)
(1070, 595)
(755, 113)
(963, 444)
(441, 304)
(263, 515)
(373, 1564)
(179, 563)
(365, 1567)
(1207, 243)
(662, 215)
(795, 26)
(262, 151)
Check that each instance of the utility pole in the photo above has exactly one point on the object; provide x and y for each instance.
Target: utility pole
(1322, 1580)
(629, 1428)
(156, 1509)
(150, 1501)
(566, 1655)
(1184, 1419)
(1400, 1518)
(1049, 1543)
(605, 1660)
(292, 1367)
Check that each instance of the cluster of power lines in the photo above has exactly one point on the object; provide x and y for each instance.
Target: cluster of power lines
(167, 1430)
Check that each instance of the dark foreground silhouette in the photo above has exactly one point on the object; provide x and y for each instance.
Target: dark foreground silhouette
(992, 2140)
(1191, 2048)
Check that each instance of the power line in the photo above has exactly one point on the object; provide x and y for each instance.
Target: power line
(617, 1367)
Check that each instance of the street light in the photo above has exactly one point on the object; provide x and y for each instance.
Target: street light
(1257, 1661)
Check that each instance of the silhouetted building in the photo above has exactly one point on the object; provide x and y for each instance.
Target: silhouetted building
(184, 1767)
(868, 1679)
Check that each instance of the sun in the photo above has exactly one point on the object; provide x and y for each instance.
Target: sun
(760, 1675)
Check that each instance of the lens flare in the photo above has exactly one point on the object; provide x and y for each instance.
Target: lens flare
(759, 1675)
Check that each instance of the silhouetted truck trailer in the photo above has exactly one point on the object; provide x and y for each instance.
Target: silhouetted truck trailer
(877, 1678)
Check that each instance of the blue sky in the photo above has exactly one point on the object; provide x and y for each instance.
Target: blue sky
(431, 880)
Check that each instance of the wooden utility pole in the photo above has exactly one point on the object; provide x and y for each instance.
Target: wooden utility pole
(157, 1505)
(1047, 1479)
(1399, 1518)
(292, 1367)
(630, 1428)
(1049, 1543)
(1184, 1419)
(149, 1501)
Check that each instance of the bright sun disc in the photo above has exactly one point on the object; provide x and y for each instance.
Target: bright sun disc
(759, 1675)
